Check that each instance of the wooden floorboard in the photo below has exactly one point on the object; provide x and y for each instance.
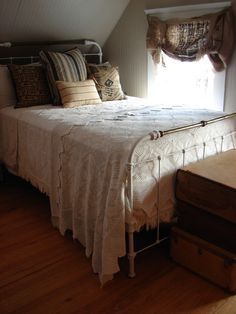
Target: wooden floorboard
(43, 272)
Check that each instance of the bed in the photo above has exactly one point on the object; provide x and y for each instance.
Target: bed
(104, 168)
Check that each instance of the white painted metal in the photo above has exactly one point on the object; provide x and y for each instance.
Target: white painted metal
(154, 136)
(131, 253)
(36, 58)
(5, 44)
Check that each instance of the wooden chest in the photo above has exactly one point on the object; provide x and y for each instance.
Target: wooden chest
(204, 258)
(206, 199)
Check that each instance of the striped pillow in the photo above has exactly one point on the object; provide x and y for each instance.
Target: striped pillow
(76, 94)
(67, 66)
(107, 81)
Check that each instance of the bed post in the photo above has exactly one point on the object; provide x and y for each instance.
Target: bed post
(131, 253)
(1, 172)
(129, 189)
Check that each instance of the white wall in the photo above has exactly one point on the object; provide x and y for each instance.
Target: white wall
(48, 20)
(126, 47)
(230, 93)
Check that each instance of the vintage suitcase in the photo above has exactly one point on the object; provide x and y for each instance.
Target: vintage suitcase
(204, 258)
(206, 199)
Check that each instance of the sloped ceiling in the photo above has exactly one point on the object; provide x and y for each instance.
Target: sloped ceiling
(40, 20)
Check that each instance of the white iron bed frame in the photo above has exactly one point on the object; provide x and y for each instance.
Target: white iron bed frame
(131, 163)
(154, 136)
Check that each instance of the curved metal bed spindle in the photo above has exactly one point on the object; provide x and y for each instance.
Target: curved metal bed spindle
(129, 190)
(27, 52)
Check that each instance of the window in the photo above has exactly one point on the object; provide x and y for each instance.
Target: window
(192, 84)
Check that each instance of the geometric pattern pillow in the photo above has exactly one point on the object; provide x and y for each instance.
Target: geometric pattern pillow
(107, 81)
(66, 66)
(30, 84)
(94, 67)
(76, 94)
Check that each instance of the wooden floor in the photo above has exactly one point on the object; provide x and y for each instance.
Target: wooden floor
(43, 272)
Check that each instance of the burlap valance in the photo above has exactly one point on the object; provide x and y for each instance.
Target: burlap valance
(190, 39)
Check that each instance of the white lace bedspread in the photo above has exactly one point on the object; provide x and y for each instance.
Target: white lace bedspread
(78, 157)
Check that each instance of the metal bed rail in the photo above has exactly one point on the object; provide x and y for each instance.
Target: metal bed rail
(83, 44)
(129, 186)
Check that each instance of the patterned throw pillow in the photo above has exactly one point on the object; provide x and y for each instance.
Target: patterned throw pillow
(94, 67)
(76, 94)
(30, 84)
(107, 81)
(68, 66)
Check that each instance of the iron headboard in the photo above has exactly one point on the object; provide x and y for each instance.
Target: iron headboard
(27, 52)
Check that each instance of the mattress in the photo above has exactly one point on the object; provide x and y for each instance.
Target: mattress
(79, 158)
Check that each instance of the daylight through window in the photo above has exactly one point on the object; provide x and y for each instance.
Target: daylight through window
(192, 84)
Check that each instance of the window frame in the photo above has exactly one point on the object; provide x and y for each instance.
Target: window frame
(188, 11)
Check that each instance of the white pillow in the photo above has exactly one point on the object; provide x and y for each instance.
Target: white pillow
(7, 90)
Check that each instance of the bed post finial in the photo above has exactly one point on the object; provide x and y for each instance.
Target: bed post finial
(155, 135)
(6, 44)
